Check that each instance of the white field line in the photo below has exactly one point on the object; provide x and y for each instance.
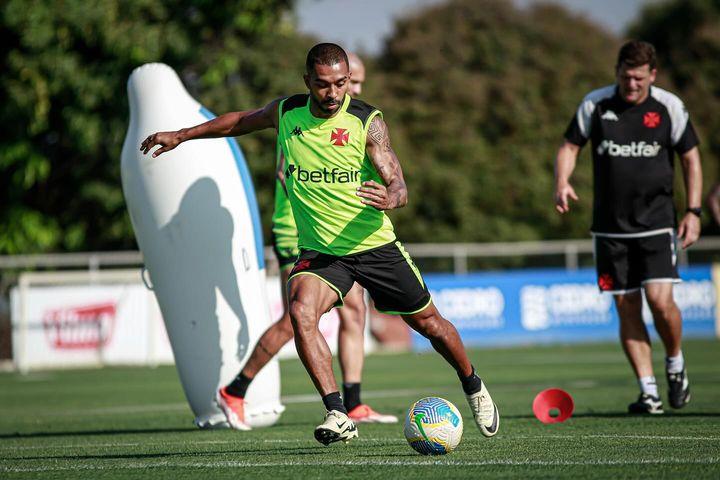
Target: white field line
(287, 399)
(630, 437)
(363, 462)
(379, 440)
(398, 392)
(237, 441)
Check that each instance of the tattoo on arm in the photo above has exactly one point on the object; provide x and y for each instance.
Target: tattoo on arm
(267, 352)
(379, 134)
(386, 162)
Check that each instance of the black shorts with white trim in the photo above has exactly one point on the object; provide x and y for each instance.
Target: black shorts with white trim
(387, 273)
(625, 262)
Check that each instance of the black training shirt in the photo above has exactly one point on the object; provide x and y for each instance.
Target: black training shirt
(632, 150)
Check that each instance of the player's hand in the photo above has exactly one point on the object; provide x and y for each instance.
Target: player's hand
(374, 194)
(689, 229)
(562, 205)
(166, 140)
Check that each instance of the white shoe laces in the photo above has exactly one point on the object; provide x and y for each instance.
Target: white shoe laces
(482, 406)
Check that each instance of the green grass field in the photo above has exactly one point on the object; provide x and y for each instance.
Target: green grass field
(134, 422)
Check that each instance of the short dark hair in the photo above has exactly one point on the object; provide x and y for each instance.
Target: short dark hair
(637, 53)
(325, 54)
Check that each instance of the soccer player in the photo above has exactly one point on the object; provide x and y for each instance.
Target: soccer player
(358, 75)
(231, 398)
(341, 176)
(635, 128)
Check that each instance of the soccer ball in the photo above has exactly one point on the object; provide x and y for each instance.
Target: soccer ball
(433, 426)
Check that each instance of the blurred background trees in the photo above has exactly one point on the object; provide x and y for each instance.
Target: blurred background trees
(686, 34)
(483, 92)
(63, 88)
(477, 95)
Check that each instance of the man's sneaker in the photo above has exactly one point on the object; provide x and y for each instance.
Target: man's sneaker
(678, 389)
(485, 412)
(233, 408)
(364, 414)
(337, 426)
(646, 405)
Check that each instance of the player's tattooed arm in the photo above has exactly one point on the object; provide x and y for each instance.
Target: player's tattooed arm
(394, 193)
(227, 125)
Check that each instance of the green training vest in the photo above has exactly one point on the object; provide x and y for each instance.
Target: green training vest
(283, 222)
(325, 162)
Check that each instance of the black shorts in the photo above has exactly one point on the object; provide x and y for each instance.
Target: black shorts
(285, 256)
(387, 273)
(625, 263)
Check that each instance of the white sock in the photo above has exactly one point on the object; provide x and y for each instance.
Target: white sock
(675, 364)
(648, 386)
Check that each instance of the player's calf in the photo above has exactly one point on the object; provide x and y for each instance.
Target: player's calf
(445, 340)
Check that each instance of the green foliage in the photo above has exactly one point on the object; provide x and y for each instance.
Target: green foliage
(686, 34)
(477, 96)
(64, 115)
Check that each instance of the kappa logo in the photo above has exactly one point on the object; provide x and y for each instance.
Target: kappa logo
(340, 137)
(610, 116)
(651, 119)
(297, 131)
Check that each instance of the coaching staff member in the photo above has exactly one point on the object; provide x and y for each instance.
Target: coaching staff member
(634, 128)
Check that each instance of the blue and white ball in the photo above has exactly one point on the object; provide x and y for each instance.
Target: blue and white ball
(433, 426)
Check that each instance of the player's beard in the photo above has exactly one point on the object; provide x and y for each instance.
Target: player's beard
(323, 105)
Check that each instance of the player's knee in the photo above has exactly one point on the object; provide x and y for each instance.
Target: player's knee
(661, 306)
(285, 327)
(352, 319)
(302, 316)
(630, 302)
(430, 326)
(354, 307)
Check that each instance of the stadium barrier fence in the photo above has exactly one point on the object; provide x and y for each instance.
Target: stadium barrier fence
(489, 308)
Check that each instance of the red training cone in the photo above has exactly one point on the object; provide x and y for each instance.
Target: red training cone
(553, 399)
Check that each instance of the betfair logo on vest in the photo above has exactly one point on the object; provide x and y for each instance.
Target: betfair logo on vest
(323, 176)
(297, 131)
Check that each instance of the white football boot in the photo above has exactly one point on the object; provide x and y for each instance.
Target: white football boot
(485, 412)
(336, 427)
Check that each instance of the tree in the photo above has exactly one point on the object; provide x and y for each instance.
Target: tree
(64, 116)
(477, 96)
(685, 34)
